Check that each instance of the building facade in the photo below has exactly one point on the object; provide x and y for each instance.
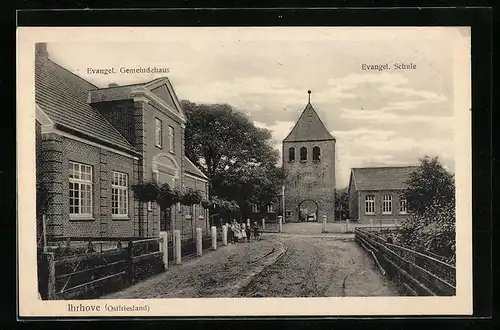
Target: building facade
(93, 144)
(309, 161)
(376, 194)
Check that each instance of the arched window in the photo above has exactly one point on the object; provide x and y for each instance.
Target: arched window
(303, 153)
(291, 154)
(316, 153)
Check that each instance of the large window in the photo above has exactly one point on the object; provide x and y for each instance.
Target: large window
(316, 153)
(291, 154)
(80, 190)
(387, 204)
(370, 204)
(171, 139)
(403, 208)
(271, 208)
(303, 153)
(158, 133)
(119, 195)
(255, 208)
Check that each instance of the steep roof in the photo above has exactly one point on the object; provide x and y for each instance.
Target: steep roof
(381, 178)
(63, 96)
(192, 169)
(309, 127)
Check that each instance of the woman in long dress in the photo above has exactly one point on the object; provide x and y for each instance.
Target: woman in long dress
(243, 232)
(238, 232)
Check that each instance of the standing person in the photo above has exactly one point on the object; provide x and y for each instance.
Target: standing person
(243, 232)
(255, 230)
(247, 230)
(230, 233)
(234, 228)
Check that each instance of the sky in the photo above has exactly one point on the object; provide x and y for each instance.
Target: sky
(379, 118)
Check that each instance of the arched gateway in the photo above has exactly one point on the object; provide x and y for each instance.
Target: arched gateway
(309, 160)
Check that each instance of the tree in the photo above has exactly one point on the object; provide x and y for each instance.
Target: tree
(431, 202)
(238, 157)
(341, 204)
(429, 183)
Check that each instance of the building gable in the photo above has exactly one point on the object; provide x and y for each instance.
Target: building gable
(163, 93)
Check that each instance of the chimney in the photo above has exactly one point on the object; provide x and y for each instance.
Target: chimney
(41, 50)
(113, 85)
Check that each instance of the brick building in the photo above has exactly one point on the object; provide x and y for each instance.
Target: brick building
(309, 160)
(93, 144)
(375, 193)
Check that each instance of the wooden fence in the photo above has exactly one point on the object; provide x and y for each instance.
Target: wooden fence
(418, 273)
(90, 274)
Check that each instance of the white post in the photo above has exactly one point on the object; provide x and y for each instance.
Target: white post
(214, 237)
(164, 248)
(199, 247)
(346, 225)
(177, 237)
(280, 223)
(263, 223)
(371, 222)
(324, 224)
(224, 235)
(248, 223)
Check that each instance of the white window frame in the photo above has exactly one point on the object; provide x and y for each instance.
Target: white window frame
(271, 208)
(403, 206)
(158, 133)
(119, 188)
(387, 204)
(81, 175)
(370, 204)
(171, 139)
(255, 208)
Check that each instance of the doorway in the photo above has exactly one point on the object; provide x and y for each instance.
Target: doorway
(308, 211)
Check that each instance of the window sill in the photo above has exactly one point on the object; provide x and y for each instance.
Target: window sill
(120, 218)
(369, 213)
(159, 147)
(403, 213)
(387, 213)
(303, 161)
(172, 152)
(81, 218)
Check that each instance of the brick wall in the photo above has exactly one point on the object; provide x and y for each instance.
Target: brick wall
(310, 180)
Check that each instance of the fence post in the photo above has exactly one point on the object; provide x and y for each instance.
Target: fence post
(263, 223)
(164, 248)
(346, 225)
(371, 222)
(324, 224)
(177, 238)
(280, 223)
(214, 237)
(51, 278)
(130, 262)
(248, 222)
(199, 247)
(224, 234)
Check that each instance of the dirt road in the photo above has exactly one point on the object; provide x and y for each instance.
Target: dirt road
(277, 266)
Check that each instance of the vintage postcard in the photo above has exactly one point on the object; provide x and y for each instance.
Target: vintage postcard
(265, 171)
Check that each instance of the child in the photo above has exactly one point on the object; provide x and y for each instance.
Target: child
(247, 231)
(256, 231)
(230, 233)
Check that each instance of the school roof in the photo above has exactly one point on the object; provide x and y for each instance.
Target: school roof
(309, 127)
(63, 96)
(381, 178)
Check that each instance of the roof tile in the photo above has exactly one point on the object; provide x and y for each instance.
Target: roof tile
(382, 178)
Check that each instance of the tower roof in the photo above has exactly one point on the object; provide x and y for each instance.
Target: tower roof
(309, 127)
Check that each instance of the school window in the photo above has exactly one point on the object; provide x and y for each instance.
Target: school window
(403, 208)
(158, 133)
(291, 154)
(303, 153)
(119, 194)
(316, 154)
(370, 204)
(271, 208)
(171, 139)
(387, 204)
(255, 208)
(80, 189)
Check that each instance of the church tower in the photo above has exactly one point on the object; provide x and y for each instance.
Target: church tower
(309, 160)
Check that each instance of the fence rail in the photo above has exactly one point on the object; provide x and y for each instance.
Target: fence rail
(416, 272)
(82, 275)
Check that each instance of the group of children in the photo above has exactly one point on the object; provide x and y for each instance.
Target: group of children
(237, 233)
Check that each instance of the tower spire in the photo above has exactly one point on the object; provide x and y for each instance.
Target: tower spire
(309, 100)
